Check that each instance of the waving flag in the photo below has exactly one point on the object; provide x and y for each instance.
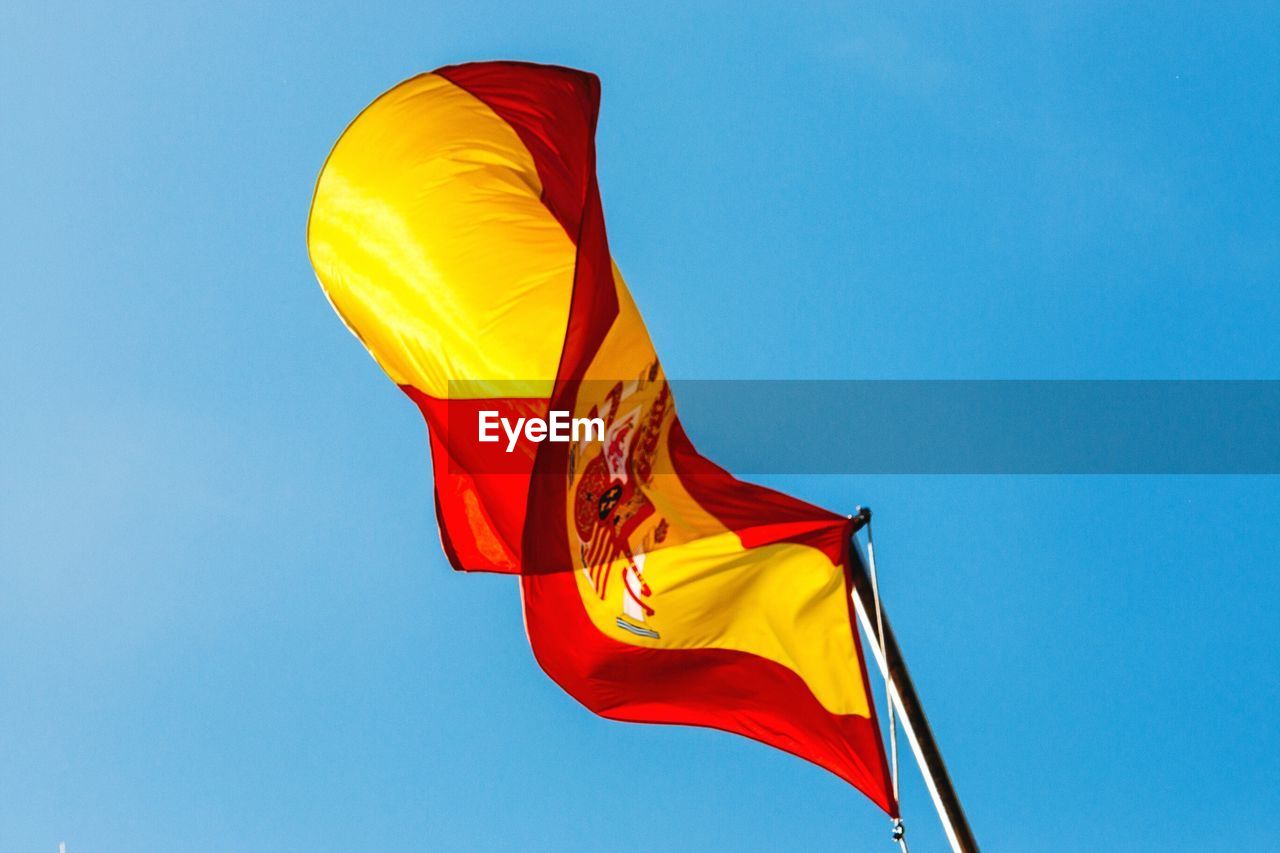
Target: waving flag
(457, 230)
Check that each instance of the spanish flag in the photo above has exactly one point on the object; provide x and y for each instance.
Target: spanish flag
(457, 230)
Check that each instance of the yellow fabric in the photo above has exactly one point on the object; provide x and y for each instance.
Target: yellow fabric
(429, 237)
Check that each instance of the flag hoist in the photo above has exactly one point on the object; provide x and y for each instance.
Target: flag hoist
(457, 230)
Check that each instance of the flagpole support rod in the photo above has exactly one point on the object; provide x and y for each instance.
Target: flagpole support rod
(903, 698)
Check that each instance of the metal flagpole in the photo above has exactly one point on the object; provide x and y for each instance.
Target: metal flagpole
(902, 694)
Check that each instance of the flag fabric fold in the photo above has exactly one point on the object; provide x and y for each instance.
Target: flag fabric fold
(457, 230)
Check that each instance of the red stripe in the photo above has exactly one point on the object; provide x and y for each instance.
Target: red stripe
(599, 541)
(481, 491)
(718, 688)
(758, 515)
(553, 110)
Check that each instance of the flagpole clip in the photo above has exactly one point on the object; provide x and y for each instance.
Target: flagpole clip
(861, 518)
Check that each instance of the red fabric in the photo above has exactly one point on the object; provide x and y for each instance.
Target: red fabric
(758, 515)
(553, 110)
(481, 490)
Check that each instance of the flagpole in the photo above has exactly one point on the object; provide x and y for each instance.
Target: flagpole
(902, 694)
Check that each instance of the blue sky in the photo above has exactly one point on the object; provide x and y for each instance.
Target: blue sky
(225, 618)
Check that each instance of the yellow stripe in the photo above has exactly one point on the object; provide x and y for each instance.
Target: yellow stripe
(429, 237)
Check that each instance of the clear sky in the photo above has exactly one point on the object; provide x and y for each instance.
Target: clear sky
(226, 622)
